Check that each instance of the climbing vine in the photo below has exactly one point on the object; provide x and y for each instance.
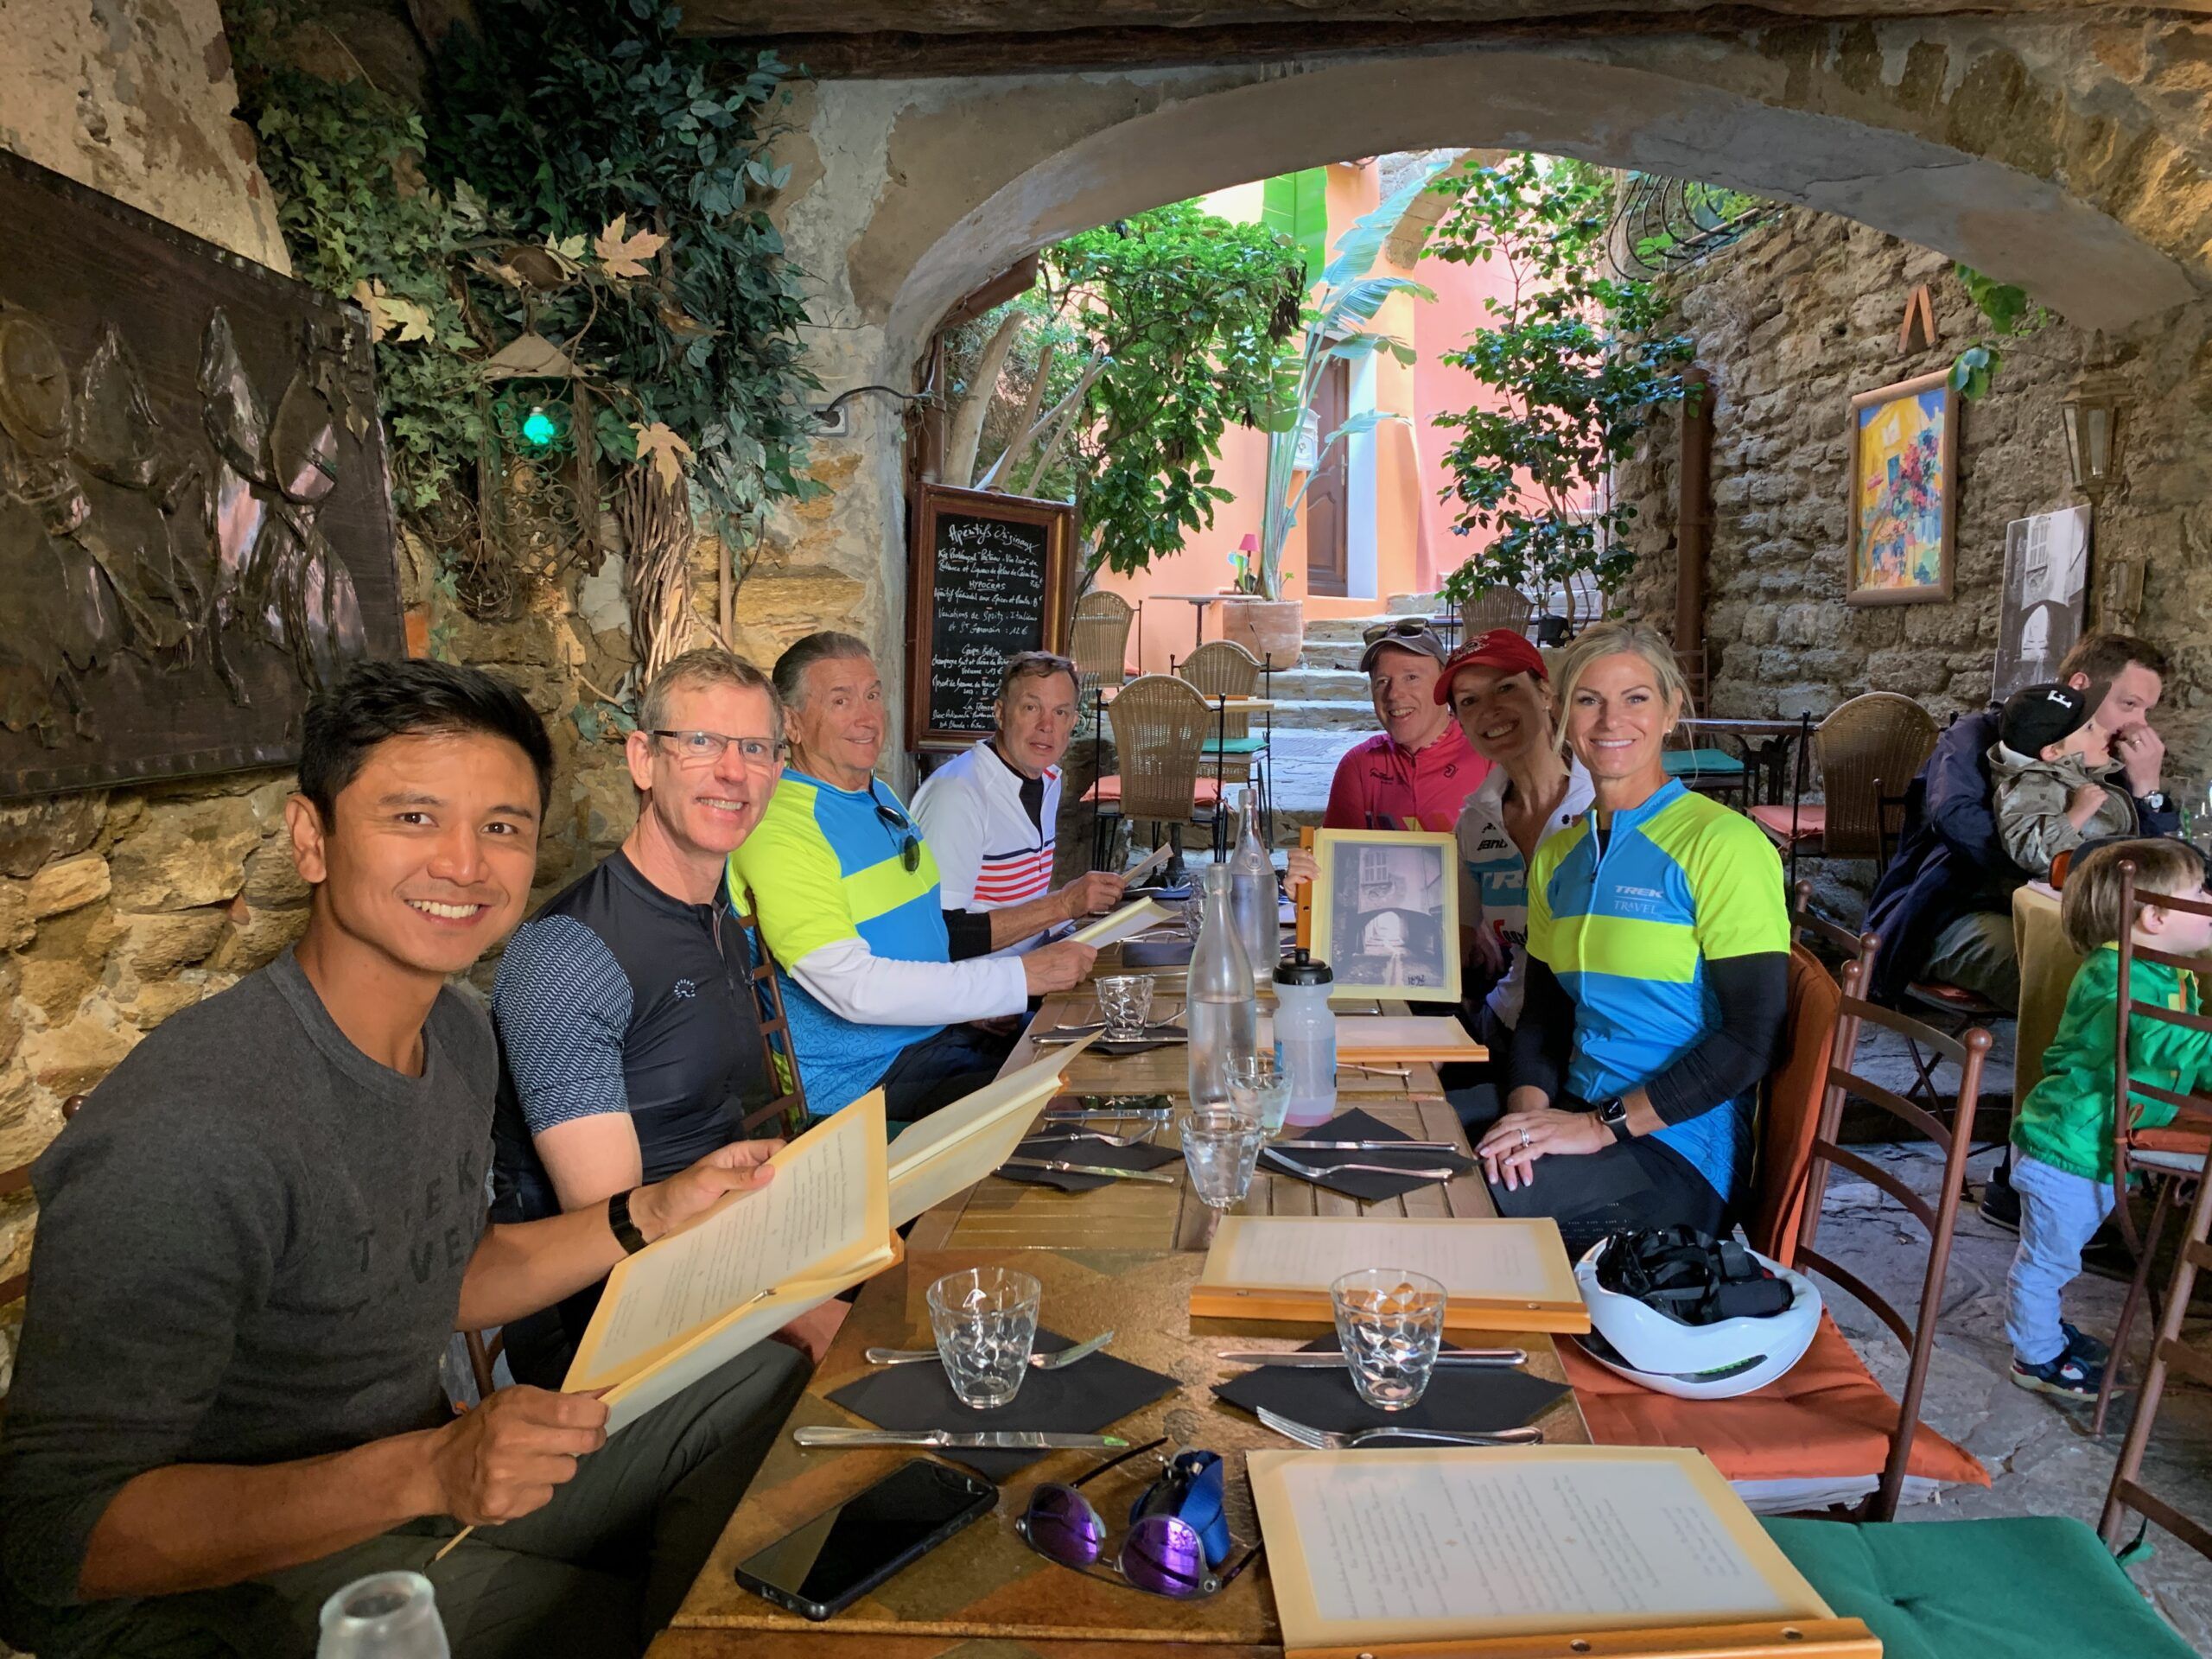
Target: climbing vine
(565, 254)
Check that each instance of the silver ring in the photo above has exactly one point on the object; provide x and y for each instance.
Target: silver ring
(1524, 1137)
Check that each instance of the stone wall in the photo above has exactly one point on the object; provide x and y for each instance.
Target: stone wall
(1794, 321)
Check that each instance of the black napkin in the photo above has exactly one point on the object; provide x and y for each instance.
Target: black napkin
(1156, 953)
(1473, 1399)
(1358, 1184)
(1089, 1397)
(1140, 1156)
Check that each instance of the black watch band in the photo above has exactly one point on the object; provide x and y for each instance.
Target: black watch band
(625, 1229)
(1613, 1113)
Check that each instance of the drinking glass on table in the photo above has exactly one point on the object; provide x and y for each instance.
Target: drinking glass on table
(1220, 1146)
(1260, 1091)
(1389, 1324)
(986, 1323)
(1125, 1005)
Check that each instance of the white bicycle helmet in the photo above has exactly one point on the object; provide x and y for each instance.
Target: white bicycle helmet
(1715, 1361)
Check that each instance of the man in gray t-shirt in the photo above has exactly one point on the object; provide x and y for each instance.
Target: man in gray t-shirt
(254, 1242)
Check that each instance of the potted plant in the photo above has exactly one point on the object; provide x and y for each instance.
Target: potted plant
(1344, 300)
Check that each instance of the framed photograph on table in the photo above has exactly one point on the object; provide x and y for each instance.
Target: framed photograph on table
(1905, 487)
(1386, 914)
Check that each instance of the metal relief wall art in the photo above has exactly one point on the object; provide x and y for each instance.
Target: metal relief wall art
(195, 531)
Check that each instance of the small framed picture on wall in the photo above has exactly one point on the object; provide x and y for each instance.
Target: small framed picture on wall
(1903, 473)
(1386, 914)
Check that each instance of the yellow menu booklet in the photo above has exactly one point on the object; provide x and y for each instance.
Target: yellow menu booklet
(1497, 1274)
(753, 1262)
(1492, 1551)
(957, 1145)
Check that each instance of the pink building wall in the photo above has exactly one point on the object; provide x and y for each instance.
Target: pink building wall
(1415, 546)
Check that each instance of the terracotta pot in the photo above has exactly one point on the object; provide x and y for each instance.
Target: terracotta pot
(1266, 627)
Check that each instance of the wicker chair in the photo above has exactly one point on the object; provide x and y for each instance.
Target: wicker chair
(1222, 668)
(1495, 607)
(1099, 643)
(1868, 750)
(1160, 727)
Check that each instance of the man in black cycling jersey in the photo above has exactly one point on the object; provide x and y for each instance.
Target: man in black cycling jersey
(629, 1037)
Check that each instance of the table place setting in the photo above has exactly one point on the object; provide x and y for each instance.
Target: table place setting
(1125, 1025)
(1000, 1394)
(1076, 1158)
(1363, 1158)
(1387, 1375)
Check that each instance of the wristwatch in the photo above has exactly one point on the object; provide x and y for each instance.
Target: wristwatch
(2158, 800)
(1613, 1113)
(625, 1229)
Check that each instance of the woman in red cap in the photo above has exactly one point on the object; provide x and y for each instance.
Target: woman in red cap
(1500, 693)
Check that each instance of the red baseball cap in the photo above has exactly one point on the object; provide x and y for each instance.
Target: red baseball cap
(1503, 649)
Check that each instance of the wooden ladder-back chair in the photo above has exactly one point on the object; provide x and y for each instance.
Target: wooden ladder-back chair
(1160, 726)
(1825, 1433)
(1807, 924)
(2035, 1584)
(785, 1113)
(2171, 1158)
(1967, 1051)
(1496, 606)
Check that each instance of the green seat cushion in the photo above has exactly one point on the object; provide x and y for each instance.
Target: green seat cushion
(1682, 762)
(1976, 1589)
(1236, 745)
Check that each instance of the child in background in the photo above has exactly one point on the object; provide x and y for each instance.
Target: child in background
(2048, 769)
(2062, 1145)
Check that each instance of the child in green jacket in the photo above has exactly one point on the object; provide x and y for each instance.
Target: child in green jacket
(2061, 1161)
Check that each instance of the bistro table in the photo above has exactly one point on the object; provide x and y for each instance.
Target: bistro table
(1123, 1257)
(1769, 745)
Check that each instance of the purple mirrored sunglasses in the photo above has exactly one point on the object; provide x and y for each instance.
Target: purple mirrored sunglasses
(1178, 1535)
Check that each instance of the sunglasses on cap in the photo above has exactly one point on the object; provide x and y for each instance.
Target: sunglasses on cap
(1411, 628)
(1177, 1539)
(902, 830)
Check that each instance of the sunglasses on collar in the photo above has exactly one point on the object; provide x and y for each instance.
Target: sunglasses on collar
(903, 833)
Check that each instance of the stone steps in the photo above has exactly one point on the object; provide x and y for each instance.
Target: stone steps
(1320, 715)
(1313, 684)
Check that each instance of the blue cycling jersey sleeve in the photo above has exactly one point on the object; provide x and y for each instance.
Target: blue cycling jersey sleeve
(561, 1004)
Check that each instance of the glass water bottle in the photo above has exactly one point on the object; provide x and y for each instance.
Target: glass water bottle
(1223, 1009)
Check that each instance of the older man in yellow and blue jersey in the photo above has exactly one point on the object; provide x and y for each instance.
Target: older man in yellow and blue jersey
(847, 896)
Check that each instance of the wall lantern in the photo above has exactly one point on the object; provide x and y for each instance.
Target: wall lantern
(2091, 415)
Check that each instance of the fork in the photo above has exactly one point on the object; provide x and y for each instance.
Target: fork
(1090, 1134)
(1328, 1439)
(1314, 1171)
(1051, 1362)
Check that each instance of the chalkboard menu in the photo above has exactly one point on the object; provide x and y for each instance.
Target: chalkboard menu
(988, 578)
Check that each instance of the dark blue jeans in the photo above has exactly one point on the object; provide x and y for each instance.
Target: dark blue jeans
(939, 1069)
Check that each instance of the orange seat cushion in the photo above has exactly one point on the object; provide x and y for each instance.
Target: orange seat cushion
(1956, 997)
(1811, 819)
(1107, 792)
(2187, 1142)
(1827, 1417)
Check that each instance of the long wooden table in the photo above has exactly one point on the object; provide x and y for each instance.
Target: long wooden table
(1123, 1257)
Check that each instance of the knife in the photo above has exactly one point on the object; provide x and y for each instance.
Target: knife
(1334, 1362)
(1000, 1440)
(1092, 1169)
(1371, 1146)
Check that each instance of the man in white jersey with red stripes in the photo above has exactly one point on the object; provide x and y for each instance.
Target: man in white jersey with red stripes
(988, 816)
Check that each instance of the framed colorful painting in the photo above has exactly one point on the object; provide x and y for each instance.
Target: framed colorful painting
(1904, 487)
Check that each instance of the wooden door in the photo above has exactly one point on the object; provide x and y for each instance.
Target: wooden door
(1325, 498)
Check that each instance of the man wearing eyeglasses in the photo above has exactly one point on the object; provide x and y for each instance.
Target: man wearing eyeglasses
(629, 1037)
(1420, 769)
(850, 903)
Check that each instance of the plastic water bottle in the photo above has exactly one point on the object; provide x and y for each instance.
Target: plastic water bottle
(1252, 895)
(384, 1616)
(1222, 1010)
(1306, 1037)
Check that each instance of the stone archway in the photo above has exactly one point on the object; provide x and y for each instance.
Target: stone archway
(2070, 156)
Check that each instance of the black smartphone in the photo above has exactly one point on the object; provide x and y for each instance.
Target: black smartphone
(844, 1553)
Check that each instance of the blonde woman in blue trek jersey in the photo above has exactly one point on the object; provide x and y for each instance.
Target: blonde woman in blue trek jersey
(1658, 952)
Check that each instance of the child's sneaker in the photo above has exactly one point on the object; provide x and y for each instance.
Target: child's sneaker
(2071, 1376)
(2082, 1344)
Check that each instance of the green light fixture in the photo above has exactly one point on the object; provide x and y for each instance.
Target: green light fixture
(539, 429)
